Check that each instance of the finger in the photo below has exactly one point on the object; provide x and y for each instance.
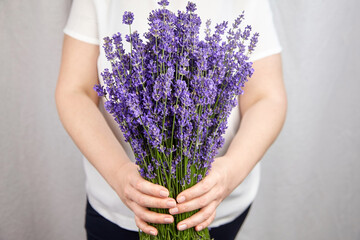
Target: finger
(146, 228)
(149, 188)
(150, 201)
(150, 216)
(200, 217)
(206, 223)
(194, 204)
(199, 189)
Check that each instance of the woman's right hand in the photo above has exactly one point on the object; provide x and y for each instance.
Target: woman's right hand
(139, 194)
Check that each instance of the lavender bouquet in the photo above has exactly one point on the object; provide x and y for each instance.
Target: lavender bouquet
(172, 95)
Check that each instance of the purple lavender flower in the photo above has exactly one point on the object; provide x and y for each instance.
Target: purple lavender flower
(220, 28)
(118, 42)
(238, 20)
(246, 34)
(191, 7)
(142, 172)
(128, 18)
(108, 48)
(163, 3)
(100, 90)
(253, 42)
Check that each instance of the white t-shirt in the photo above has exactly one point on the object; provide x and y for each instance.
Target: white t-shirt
(91, 20)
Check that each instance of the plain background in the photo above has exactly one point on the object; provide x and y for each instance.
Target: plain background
(310, 187)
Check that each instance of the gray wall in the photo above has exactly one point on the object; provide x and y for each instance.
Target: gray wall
(310, 182)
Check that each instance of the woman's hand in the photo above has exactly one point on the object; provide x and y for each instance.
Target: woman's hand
(206, 196)
(139, 195)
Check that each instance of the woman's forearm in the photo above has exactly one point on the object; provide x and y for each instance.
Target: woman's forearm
(87, 127)
(260, 125)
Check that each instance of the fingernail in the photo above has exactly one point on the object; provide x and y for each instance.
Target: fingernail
(171, 204)
(173, 210)
(152, 233)
(164, 193)
(181, 199)
(168, 220)
(199, 228)
(182, 227)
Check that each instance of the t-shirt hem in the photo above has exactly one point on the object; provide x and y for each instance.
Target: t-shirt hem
(81, 37)
(127, 223)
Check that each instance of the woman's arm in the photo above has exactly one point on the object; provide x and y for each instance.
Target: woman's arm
(263, 110)
(77, 105)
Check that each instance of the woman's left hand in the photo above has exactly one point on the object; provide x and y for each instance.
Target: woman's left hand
(206, 195)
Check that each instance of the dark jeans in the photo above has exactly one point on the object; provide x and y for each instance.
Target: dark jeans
(99, 228)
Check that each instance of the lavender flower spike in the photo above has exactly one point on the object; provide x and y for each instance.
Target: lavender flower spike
(100, 90)
(191, 7)
(163, 3)
(253, 42)
(128, 18)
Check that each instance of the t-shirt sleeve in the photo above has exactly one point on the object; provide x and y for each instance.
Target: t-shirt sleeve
(82, 22)
(259, 16)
